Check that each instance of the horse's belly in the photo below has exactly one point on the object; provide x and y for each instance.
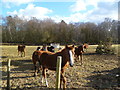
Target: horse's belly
(54, 69)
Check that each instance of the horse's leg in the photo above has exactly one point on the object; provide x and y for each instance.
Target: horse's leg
(35, 67)
(40, 67)
(18, 53)
(81, 58)
(44, 76)
(61, 82)
(24, 53)
(21, 54)
(63, 79)
(76, 58)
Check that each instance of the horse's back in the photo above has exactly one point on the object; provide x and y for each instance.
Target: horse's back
(48, 60)
(36, 55)
(47, 55)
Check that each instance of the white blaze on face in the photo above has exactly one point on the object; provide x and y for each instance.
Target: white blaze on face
(71, 58)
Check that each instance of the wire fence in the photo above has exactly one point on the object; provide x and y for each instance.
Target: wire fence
(9, 72)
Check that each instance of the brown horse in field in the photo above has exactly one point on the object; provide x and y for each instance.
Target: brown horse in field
(48, 60)
(78, 52)
(21, 49)
(36, 56)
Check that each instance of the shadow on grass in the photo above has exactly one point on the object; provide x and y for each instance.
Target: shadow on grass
(18, 67)
(96, 54)
(3, 57)
(17, 62)
(91, 54)
(30, 88)
(107, 79)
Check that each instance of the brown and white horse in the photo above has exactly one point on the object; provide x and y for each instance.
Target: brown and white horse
(48, 61)
(78, 52)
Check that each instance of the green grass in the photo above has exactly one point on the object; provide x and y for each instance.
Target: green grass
(97, 71)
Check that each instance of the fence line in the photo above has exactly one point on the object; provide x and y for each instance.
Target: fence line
(58, 72)
(8, 75)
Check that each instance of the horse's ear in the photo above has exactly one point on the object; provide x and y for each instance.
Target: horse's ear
(73, 46)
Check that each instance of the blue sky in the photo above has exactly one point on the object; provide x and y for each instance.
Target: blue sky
(69, 10)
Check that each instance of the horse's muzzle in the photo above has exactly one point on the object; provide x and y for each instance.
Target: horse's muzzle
(71, 65)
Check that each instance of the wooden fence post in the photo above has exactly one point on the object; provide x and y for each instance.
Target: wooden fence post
(8, 75)
(58, 72)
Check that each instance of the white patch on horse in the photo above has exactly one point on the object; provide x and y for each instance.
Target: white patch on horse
(71, 58)
(46, 82)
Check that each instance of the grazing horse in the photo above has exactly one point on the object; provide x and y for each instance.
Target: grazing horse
(51, 49)
(78, 52)
(48, 61)
(21, 49)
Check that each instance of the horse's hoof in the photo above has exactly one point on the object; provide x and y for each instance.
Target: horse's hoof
(34, 75)
(46, 85)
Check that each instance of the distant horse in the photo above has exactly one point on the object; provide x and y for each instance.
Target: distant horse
(21, 49)
(51, 49)
(78, 52)
(48, 61)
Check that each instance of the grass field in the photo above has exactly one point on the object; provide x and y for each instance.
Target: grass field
(97, 71)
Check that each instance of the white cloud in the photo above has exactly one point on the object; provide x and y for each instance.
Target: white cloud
(17, 2)
(78, 6)
(11, 3)
(77, 17)
(32, 11)
(100, 10)
(81, 5)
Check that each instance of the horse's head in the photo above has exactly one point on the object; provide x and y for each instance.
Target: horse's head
(38, 48)
(70, 54)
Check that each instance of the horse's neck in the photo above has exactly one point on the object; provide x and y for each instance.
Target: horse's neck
(64, 59)
(60, 53)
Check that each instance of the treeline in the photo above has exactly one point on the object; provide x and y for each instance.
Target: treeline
(34, 31)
